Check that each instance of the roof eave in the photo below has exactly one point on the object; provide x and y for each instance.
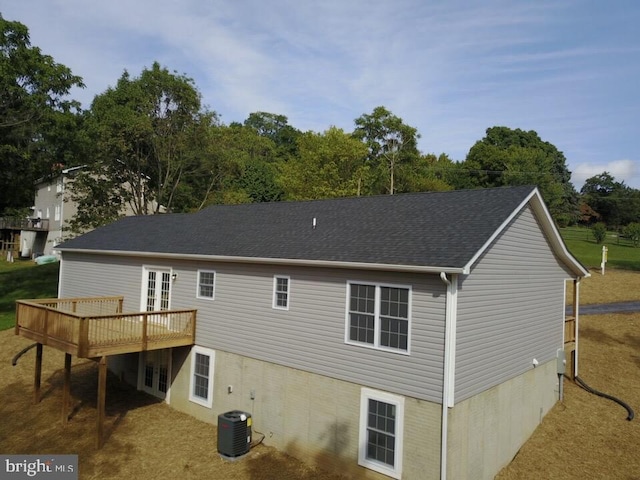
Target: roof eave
(275, 261)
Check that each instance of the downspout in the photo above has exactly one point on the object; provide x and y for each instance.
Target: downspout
(576, 315)
(449, 364)
(62, 193)
(60, 277)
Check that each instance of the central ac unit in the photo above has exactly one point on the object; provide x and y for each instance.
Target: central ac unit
(234, 433)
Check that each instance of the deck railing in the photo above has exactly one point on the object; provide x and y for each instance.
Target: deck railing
(93, 327)
(17, 223)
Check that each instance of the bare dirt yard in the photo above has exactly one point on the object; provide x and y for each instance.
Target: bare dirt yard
(584, 437)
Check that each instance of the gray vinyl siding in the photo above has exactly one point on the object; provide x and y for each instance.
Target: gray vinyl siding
(95, 276)
(310, 336)
(510, 309)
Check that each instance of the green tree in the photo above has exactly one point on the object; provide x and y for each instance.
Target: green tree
(599, 232)
(392, 146)
(632, 232)
(238, 166)
(276, 128)
(429, 173)
(516, 157)
(330, 164)
(148, 134)
(616, 203)
(98, 197)
(33, 91)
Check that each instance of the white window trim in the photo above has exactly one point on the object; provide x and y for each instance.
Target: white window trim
(376, 336)
(275, 296)
(212, 357)
(398, 401)
(215, 276)
(144, 285)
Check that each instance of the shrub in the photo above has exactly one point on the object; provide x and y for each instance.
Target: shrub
(599, 231)
(632, 232)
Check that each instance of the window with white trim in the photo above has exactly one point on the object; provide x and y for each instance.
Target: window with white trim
(381, 431)
(206, 284)
(378, 315)
(56, 213)
(201, 388)
(281, 292)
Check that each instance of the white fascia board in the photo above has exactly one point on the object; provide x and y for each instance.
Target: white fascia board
(549, 228)
(73, 169)
(272, 261)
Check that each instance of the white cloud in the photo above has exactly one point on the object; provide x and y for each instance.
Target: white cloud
(621, 170)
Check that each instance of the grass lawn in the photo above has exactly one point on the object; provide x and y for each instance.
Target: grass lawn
(622, 254)
(24, 279)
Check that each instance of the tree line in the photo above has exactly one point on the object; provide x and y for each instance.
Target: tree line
(150, 145)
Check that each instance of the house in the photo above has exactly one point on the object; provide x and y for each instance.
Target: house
(414, 336)
(53, 209)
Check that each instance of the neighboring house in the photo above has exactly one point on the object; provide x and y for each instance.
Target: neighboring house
(416, 336)
(52, 211)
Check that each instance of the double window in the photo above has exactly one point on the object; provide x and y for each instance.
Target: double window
(201, 388)
(378, 315)
(206, 284)
(381, 431)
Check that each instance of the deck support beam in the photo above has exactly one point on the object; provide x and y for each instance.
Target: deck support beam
(102, 395)
(66, 388)
(38, 374)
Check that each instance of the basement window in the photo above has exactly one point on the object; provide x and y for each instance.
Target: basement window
(201, 388)
(381, 432)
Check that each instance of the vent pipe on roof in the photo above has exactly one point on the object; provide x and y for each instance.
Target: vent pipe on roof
(314, 223)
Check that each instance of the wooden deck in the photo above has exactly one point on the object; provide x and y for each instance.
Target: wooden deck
(97, 327)
(32, 224)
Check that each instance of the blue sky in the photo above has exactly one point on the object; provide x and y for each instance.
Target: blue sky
(568, 69)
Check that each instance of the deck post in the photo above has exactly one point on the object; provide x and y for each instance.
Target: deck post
(66, 388)
(145, 323)
(38, 374)
(193, 326)
(83, 338)
(102, 395)
(45, 332)
(17, 326)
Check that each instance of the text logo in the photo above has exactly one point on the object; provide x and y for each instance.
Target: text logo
(49, 467)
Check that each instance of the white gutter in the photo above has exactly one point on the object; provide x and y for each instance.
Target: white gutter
(270, 261)
(448, 383)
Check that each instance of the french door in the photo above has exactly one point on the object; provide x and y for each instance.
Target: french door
(158, 289)
(156, 293)
(155, 372)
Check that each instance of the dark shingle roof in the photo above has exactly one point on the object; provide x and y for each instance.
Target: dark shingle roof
(435, 229)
